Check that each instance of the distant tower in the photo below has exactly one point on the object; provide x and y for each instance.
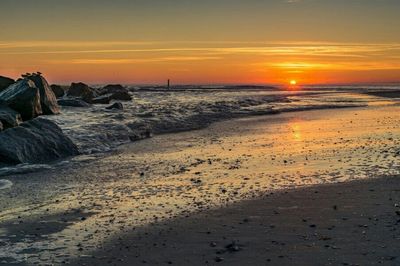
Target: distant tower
(168, 84)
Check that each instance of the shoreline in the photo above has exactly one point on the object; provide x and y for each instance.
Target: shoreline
(170, 113)
(25, 168)
(349, 223)
(89, 201)
(15, 169)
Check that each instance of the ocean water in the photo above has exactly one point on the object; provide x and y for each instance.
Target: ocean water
(96, 129)
(159, 178)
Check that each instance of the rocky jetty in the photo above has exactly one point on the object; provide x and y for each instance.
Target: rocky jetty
(23, 97)
(36, 141)
(90, 95)
(5, 82)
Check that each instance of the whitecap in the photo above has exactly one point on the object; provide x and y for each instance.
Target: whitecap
(4, 183)
(23, 169)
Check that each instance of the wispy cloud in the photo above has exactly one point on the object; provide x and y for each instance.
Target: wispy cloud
(227, 48)
(107, 61)
(281, 57)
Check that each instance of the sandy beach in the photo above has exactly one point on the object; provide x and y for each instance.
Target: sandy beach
(355, 223)
(95, 207)
(257, 132)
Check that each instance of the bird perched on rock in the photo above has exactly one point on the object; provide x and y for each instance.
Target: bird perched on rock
(26, 75)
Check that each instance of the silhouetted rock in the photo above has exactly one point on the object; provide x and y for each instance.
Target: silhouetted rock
(9, 118)
(118, 95)
(73, 102)
(36, 141)
(83, 91)
(23, 97)
(48, 100)
(5, 82)
(121, 96)
(116, 105)
(58, 90)
(112, 88)
(103, 99)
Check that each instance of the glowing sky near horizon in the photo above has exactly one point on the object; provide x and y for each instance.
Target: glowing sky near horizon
(219, 41)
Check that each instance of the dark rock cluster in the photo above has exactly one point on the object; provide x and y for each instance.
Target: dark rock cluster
(81, 95)
(36, 141)
(24, 138)
(5, 82)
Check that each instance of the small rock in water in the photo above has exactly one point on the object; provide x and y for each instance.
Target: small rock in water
(116, 105)
(232, 247)
(218, 259)
(73, 103)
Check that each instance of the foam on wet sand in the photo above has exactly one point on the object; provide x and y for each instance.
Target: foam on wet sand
(176, 175)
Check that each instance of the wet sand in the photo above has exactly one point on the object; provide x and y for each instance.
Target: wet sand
(78, 208)
(354, 223)
(386, 94)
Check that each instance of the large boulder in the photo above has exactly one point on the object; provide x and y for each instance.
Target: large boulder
(117, 95)
(83, 91)
(48, 100)
(9, 118)
(5, 82)
(103, 99)
(57, 90)
(117, 106)
(23, 97)
(36, 141)
(73, 102)
(121, 96)
(112, 88)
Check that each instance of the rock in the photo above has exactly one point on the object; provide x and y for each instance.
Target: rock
(113, 88)
(57, 90)
(48, 100)
(121, 96)
(116, 105)
(5, 82)
(9, 118)
(73, 102)
(83, 91)
(233, 247)
(36, 141)
(106, 98)
(23, 97)
(103, 99)
(219, 259)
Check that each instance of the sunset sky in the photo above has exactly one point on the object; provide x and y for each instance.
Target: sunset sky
(208, 41)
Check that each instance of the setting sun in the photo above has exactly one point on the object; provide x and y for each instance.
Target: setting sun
(293, 82)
